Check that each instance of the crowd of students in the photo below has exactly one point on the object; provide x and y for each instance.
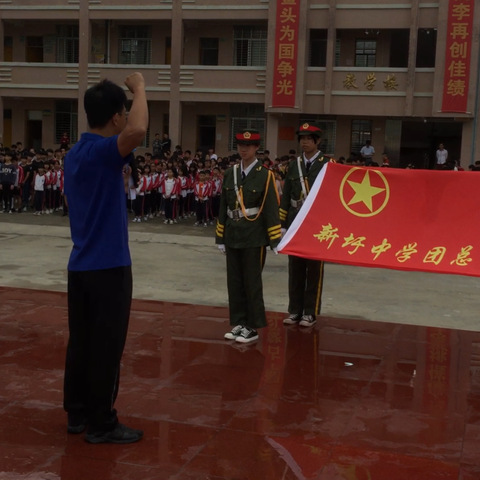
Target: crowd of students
(31, 179)
(169, 185)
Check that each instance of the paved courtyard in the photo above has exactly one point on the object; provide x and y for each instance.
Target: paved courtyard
(386, 386)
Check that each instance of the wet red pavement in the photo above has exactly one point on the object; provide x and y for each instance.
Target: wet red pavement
(348, 400)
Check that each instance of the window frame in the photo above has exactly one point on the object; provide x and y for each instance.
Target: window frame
(363, 134)
(254, 41)
(364, 54)
(72, 128)
(247, 116)
(140, 44)
(204, 49)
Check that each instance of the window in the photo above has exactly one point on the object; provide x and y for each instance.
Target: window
(317, 55)
(209, 51)
(8, 49)
(66, 120)
(135, 45)
(365, 53)
(399, 46)
(246, 116)
(361, 132)
(166, 123)
(67, 44)
(250, 46)
(34, 52)
(329, 132)
(426, 47)
(168, 50)
(337, 52)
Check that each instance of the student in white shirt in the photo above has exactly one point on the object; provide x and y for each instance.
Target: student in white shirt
(39, 188)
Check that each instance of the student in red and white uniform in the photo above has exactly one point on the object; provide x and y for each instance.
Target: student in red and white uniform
(159, 175)
(184, 186)
(163, 174)
(201, 191)
(217, 182)
(57, 198)
(147, 205)
(171, 191)
(192, 178)
(209, 181)
(49, 177)
(154, 189)
(140, 199)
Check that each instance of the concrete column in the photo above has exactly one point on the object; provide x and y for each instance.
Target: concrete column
(83, 58)
(1, 118)
(271, 142)
(2, 36)
(175, 115)
(331, 41)
(302, 60)
(2, 58)
(272, 22)
(412, 58)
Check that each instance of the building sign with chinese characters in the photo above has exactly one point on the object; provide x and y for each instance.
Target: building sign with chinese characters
(286, 54)
(398, 219)
(457, 56)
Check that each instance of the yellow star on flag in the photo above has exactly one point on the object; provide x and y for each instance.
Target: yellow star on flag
(364, 192)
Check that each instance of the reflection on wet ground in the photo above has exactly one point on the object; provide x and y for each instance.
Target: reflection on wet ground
(347, 400)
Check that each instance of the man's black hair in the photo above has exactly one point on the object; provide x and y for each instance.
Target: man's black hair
(102, 102)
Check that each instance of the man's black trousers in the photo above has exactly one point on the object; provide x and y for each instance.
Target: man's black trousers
(305, 285)
(98, 314)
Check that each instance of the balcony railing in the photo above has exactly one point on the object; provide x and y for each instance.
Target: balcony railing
(58, 76)
(226, 80)
(157, 77)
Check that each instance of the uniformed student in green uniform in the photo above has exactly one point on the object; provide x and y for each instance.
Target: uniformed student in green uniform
(248, 222)
(305, 277)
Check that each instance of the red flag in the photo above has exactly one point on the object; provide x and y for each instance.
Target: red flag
(398, 219)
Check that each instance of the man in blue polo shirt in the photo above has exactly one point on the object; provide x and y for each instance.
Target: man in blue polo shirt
(99, 270)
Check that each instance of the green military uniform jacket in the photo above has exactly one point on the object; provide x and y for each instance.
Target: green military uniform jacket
(258, 189)
(292, 189)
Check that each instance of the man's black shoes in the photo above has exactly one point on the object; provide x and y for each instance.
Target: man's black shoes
(76, 424)
(121, 434)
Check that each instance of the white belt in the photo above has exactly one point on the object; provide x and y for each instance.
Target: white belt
(297, 203)
(238, 214)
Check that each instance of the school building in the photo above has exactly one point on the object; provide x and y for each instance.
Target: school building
(404, 75)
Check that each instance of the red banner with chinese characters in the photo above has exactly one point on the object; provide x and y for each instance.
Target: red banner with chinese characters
(457, 56)
(390, 218)
(286, 48)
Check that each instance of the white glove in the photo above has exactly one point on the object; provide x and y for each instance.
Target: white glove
(283, 231)
(275, 251)
(222, 249)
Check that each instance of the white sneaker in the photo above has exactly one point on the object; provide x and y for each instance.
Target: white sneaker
(234, 333)
(165, 222)
(196, 224)
(171, 222)
(139, 220)
(134, 220)
(293, 319)
(205, 224)
(175, 221)
(145, 218)
(24, 209)
(308, 321)
(247, 335)
(150, 216)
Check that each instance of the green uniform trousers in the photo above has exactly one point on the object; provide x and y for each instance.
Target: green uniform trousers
(305, 285)
(245, 288)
